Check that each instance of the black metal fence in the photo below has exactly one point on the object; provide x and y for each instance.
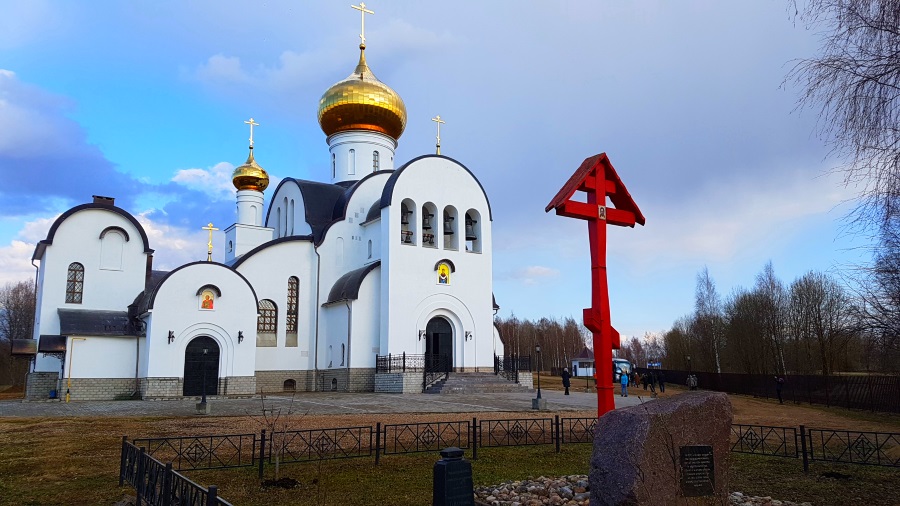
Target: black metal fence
(823, 445)
(867, 392)
(155, 481)
(509, 366)
(158, 484)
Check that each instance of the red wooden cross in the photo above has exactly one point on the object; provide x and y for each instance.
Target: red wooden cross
(599, 180)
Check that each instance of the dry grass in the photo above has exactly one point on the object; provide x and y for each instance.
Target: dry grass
(75, 461)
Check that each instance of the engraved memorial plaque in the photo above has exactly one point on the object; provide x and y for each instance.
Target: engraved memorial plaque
(697, 471)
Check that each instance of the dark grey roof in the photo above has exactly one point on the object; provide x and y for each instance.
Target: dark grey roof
(24, 347)
(92, 322)
(142, 301)
(374, 212)
(51, 344)
(585, 354)
(324, 203)
(347, 286)
(41, 246)
(388, 194)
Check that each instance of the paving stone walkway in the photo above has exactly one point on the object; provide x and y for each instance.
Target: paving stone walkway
(317, 403)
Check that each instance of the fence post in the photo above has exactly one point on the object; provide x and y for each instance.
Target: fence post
(803, 448)
(122, 462)
(378, 435)
(474, 438)
(167, 486)
(262, 451)
(558, 432)
(404, 361)
(212, 496)
(139, 476)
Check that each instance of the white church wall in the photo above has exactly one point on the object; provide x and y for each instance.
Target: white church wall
(333, 336)
(177, 309)
(364, 343)
(410, 288)
(353, 154)
(91, 356)
(287, 214)
(77, 239)
(268, 271)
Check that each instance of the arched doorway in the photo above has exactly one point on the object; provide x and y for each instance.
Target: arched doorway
(438, 341)
(201, 366)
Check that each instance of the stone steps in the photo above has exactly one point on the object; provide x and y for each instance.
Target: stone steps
(475, 383)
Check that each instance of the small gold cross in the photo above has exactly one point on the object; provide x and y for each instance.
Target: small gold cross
(437, 119)
(210, 228)
(362, 13)
(252, 124)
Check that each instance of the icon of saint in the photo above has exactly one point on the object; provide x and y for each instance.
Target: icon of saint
(207, 302)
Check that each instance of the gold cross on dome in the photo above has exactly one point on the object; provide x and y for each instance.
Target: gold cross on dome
(252, 124)
(210, 228)
(437, 119)
(362, 13)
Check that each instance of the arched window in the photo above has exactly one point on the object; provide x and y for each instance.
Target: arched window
(375, 161)
(408, 222)
(293, 295)
(370, 248)
(429, 227)
(342, 354)
(473, 231)
(75, 283)
(266, 323)
(286, 217)
(351, 162)
(450, 226)
(290, 385)
(333, 166)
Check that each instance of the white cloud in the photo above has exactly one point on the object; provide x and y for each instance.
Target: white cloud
(15, 262)
(175, 246)
(533, 274)
(214, 181)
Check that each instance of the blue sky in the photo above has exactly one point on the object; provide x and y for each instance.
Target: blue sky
(145, 101)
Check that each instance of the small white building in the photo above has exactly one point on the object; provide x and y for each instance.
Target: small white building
(371, 262)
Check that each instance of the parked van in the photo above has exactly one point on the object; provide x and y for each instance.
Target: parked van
(620, 367)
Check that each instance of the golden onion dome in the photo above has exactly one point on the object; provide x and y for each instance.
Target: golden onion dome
(250, 176)
(362, 102)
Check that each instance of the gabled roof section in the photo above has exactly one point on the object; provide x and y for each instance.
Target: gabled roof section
(615, 189)
(42, 245)
(144, 302)
(388, 194)
(347, 286)
(266, 245)
(324, 203)
(585, 354)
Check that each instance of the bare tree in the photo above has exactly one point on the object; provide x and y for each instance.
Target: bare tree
(855, 83)
(708, 324)
(821, 316)
(16, 322)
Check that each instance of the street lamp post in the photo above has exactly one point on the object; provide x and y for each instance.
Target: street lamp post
(537, 350)
(205, 353)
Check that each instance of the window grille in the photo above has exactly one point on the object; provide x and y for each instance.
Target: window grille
(75, 283)
(267, 323)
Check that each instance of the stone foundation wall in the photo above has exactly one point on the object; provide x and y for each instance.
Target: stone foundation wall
(99, 389)
(237, 386)
(332, 380)
(39, 384)
(399, 383)
(273, 381)
(361, 380)
(526, 379)
(161, 388)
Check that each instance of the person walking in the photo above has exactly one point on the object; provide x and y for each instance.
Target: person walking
(662, 382)
(565, 379)
(644, 380)
(779, 384)
(624, 380)
(652, 381)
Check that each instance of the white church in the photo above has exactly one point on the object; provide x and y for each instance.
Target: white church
(375, 261)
